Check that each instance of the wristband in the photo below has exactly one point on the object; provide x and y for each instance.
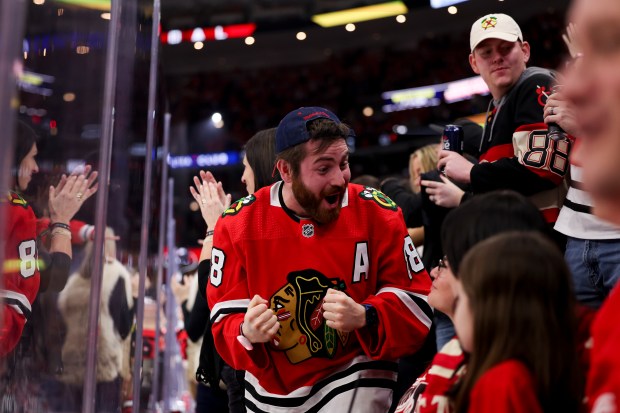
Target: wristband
(244, 340)
(372, 318)
(210, 233)
(60, 225)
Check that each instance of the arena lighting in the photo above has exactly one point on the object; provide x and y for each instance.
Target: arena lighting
(202, 34)
(35, 83)
(419, 97)
(35, 79)
(103, 5)
(360, 14)
(204, 160)
(426, 96)
(464, 89)
(438, 4)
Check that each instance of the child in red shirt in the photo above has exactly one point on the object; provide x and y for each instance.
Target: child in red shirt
(515, 317)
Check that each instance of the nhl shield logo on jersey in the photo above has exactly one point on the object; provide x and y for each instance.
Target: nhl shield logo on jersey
(379, 197)
(303, 332)
(236, 206)
(307, 230)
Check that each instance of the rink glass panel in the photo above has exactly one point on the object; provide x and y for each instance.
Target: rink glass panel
(61, 95)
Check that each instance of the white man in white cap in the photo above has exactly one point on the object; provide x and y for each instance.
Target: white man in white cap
(515, 152)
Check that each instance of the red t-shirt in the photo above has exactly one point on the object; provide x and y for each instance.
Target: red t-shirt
(507, 387)
(603, 384)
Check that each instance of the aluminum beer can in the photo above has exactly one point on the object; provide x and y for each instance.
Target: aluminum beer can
(453, 138)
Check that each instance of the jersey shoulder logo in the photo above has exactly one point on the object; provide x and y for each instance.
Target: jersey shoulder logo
(542, 94)
(372, 194)
(304, 333)
(236, 206)
(16, 199)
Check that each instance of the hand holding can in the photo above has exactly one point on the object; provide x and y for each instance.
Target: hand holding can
(452, 138)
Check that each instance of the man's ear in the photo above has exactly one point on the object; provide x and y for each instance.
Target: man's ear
(285, 170)
(525, 47)
(473, 64)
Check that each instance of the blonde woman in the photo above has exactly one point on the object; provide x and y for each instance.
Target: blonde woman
(421, 161)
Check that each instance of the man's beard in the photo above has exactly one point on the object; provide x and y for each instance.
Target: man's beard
(312, 204)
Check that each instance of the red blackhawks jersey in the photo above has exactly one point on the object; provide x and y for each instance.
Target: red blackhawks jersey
(515, 151)
(261, 247)
(20, 281)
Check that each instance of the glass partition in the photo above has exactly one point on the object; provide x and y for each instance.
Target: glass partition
(74, 206)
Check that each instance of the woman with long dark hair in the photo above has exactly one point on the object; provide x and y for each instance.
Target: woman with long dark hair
(258, 162)
(515, 318)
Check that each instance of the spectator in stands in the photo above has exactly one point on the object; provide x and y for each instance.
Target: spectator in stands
(593, 87)
(409, 199)
(259, 164)
(433, 212)
(115, 322)
(307, 293)
(516, 322)
(477, 219)
(593, 245)
(513, 152)
(22, 255)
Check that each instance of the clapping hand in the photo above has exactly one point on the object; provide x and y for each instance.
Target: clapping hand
(210, 196)
(66, 198)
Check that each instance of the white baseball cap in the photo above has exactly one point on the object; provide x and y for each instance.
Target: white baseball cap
(494, 26)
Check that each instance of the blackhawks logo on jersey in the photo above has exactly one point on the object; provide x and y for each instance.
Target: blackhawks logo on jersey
(303, 332)
(379, 197)
(236, 206)
(16, 199)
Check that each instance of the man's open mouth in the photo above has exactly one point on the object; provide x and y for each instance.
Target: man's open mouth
(332, 199)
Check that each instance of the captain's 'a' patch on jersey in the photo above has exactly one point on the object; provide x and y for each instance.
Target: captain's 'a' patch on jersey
(371, 194)
(236, 206)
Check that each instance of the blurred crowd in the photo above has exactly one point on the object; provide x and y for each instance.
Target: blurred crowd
(346, 82)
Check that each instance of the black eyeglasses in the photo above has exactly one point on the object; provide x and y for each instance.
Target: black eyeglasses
(443, 262)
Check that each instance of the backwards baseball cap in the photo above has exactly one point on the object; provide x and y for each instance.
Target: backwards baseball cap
(292, 130)
(494, 26)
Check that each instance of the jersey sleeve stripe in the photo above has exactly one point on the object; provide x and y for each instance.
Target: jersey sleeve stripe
(498, 152)
(224, 308)
(416, 303)
(17, 301)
